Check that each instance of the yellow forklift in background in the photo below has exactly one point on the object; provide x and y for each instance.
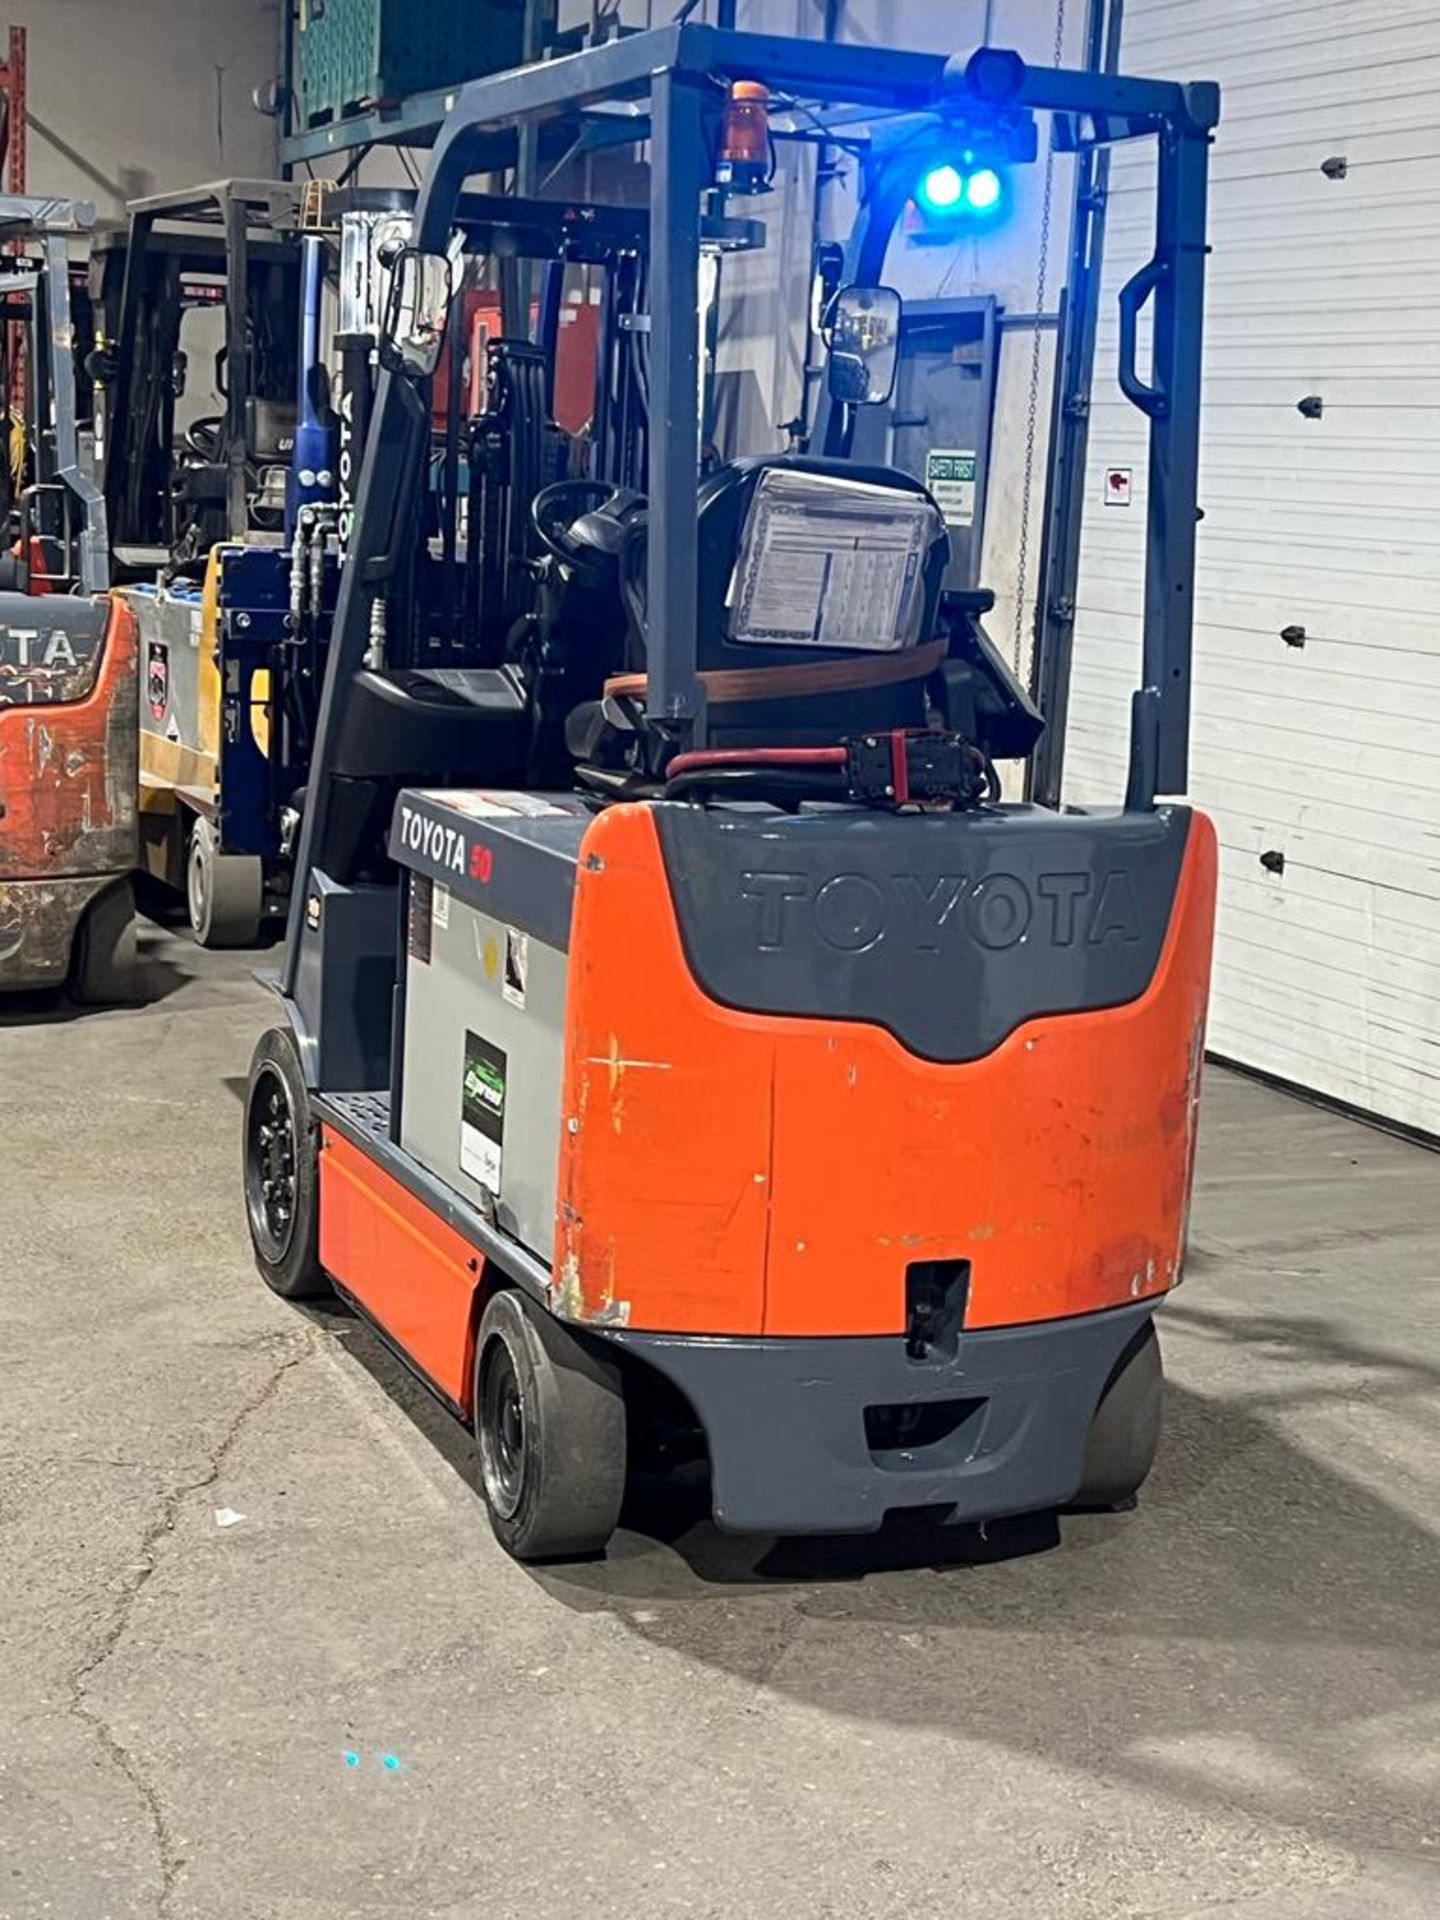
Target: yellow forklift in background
(227, 522)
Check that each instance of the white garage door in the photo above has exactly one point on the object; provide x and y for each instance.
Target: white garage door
(1317, 646)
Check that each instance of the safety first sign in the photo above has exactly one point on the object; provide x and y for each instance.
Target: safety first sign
(950, 479)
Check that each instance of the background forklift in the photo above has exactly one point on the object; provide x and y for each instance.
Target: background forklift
(204, 294)
(174, 487)
(676, 1017)
(227, 525)
(67, 653)
(229, 528)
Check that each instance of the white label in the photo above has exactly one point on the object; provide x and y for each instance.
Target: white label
(481, 805)
(1118, 486)
(517, 966)
(480, 1158)
(440, 905)
(950, 477)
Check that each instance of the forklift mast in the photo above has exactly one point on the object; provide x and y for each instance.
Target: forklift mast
(62, 509)
(232, 244)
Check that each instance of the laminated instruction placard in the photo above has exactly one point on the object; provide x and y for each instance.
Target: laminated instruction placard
(831, 562)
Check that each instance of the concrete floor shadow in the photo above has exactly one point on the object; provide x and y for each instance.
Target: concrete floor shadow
(52, 1006)
(1263, 1632)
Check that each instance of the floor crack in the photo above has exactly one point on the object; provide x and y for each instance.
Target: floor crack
(170, 1860)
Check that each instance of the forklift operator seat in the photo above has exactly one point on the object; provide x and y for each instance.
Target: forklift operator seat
(435, 724)
(818, 577)
(420, 726)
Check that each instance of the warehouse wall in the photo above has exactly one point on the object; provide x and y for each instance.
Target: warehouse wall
(1317, 649)
(135, 96)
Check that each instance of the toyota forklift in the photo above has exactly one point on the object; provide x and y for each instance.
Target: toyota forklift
(755, 1068)
(67, 651)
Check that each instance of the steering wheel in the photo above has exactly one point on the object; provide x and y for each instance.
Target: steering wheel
(555, 509)
(204, 437)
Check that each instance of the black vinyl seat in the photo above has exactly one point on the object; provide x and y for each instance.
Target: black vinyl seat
(436, 724)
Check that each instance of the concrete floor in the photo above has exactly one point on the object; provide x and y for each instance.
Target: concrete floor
(1227, 1703)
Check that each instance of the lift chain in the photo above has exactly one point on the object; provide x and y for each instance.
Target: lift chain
(1042, 276)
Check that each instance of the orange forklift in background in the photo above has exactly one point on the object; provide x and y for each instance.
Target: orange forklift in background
(68, 673)
(754, 1068)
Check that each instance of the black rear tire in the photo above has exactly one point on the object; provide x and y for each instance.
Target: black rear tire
(282, 1171)
(105, 971)
(1125, 1432)
(550, 1420)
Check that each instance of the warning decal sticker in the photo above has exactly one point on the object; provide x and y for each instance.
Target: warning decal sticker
(517, 966)
(157, 678)
(420, 924)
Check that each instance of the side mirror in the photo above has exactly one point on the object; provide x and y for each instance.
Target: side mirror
(864, 345)
(418, 312)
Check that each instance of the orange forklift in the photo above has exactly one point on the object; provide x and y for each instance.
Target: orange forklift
(758, 1069)
(68, 697)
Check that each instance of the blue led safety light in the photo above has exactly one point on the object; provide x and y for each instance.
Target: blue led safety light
(983, 189)
(941, 189)
(950, 193)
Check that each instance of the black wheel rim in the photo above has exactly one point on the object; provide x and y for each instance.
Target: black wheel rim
(271, 1159)
(502, 1432)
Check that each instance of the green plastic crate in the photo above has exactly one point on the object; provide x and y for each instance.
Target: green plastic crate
(352, 53)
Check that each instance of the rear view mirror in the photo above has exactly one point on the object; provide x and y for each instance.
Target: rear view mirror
(864, 345)
(418, 312)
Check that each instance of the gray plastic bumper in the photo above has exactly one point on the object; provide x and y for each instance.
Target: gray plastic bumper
(829, 1436)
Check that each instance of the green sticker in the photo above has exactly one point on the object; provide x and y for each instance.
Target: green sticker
(482, 1112)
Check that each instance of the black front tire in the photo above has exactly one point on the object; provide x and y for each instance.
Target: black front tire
(1125, 1432)
(550, 1420)
(282, 1171)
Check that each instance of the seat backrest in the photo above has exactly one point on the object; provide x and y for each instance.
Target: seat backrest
(866, 501)
(853, 504)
